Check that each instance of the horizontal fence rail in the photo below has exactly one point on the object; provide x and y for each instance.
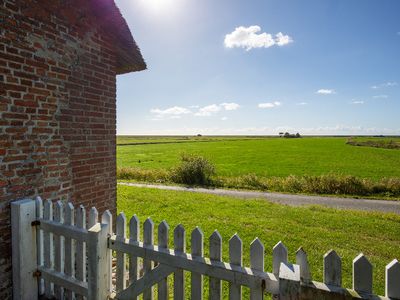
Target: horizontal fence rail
(69, 255)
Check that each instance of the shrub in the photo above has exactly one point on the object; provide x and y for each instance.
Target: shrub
(194, 169)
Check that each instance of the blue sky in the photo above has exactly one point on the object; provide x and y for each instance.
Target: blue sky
(260, 67)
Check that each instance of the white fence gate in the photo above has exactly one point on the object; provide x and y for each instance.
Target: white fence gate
(58, 254)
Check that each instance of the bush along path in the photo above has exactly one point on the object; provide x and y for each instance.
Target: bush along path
(289, 199)
(199, 171)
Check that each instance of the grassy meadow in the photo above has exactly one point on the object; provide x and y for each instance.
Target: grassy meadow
(316, 229)
(264, 156)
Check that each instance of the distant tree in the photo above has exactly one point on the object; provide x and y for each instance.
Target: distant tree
(280, 134)
(298, 135)
(287, 134)
(199, 134)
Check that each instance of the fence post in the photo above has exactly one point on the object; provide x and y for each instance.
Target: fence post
(98, 262)
(289, 281)
(24, 257)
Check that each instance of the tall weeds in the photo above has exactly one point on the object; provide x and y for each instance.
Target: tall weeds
(197, 170)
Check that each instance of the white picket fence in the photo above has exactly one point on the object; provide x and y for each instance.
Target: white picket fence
(59, 253)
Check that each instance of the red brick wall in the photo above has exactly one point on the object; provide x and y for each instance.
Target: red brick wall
(57, 110)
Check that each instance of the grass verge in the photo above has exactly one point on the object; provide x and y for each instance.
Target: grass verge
(316, 229)
(330, 184)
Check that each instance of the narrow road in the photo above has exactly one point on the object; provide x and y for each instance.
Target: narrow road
(290, 199)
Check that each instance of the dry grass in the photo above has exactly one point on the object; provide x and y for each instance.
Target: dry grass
(331, 184)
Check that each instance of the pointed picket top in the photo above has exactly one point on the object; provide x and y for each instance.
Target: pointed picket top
(235, 250)
(215, 246)
(134, 229)
(58, 245)
(179, 238)
(302, 261)
(81, 216)
(163, 233)
(362, 274)
(179, 247)
(58, 211)
(332, 268)
(197, 238)
(48, 210)
(279, 255)
(93, 217)
(106, 218)
(257, 255)
(215, 287)
(121, 227)
(148, 232)
(392, 286)
(69, 213)
(39, 207)
(235, 258)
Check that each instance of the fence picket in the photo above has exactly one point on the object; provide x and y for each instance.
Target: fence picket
(302, 261)
(80, 272)
(93, 217)
(257, 263)
(236, 258)
(362, 274)
(163, 232)
(332, 269)
(57, 224)
(69, 246)
(121, 257)
(39, 241)
(392, 286)
(58, 247)
(148, 240)
(134, 229)
(106, 218)
(279, 255)
(48, 247)
(197, 278)
(179, 247)
(215, 255)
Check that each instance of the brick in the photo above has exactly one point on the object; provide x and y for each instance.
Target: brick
(14, 116)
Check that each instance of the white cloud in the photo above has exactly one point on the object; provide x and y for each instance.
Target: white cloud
(224, 118)
(212, 109)
(383, 85)
(326, 91)
(269, 104)
(302, 103)
(249, 38)
(208, 110)
(230, 106)
(354, 101)
(380, 96)
(174, 112)
(282, 39)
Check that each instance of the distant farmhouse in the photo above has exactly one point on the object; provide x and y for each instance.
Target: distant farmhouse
(289, 135)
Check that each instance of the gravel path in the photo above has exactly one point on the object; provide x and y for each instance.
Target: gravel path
(290, 199)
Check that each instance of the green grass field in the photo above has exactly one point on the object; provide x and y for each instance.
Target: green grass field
(153, 139)
(316, 229)
(235, 156)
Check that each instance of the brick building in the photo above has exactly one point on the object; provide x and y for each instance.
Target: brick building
(58, 65)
